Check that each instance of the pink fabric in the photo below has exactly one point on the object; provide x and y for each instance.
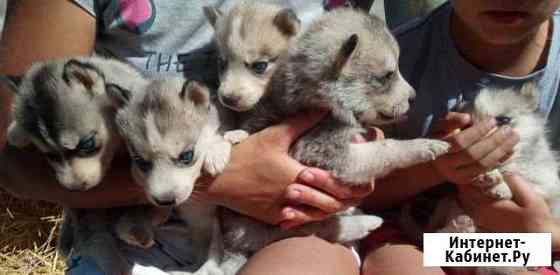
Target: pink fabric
(135, 12)
(546, 271)
(335, 3)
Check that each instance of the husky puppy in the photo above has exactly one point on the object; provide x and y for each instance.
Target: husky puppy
(174, 132)
(250, 37)
(533, 159)
(62, 107)
(345, 62)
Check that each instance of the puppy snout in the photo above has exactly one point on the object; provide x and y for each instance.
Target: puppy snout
(231, 100)
(167, 201)
(78, 187)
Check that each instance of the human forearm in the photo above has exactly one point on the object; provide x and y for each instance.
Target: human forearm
(26, 174)
(401, 185)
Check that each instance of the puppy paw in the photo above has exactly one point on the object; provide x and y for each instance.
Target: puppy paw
(353, 228)
(236, 136)
(459, 224)
(136, 235)
(217, 157)
(500, 192)
(430, 149)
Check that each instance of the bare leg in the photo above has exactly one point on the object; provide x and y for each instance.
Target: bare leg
(301, 256)
(398, 258)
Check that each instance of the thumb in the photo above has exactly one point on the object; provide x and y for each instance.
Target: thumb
(285, 133)
(523, 192)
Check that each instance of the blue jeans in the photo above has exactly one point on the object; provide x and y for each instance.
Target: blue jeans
(78, 265)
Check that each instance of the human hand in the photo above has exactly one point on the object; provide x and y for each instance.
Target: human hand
(316, 195)
(475, 150)
(526, 212)
(255, 179)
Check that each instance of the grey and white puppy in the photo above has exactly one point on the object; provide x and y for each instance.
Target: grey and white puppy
(533, 159)
(174, 131)
(62, 107)
(347, 63)
(251, 37)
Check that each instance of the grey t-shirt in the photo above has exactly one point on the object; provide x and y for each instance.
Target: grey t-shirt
(165, 36)
(442, 77)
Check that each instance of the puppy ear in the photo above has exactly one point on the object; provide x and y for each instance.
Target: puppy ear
(343, 55)
(195, 92)
(84, 73)
(17, 136)
(118, 95)
(12, 82)
(287, 21)
(531, 92)
(212, 14)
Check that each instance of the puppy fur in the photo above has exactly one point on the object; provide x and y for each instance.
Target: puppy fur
(355, 76)
(533, 159)
(250, 37)
(62, 107)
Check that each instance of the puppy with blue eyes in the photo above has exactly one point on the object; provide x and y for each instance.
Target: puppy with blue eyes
(174, 131)
(173, 134)
(250, 37)
(62, 108)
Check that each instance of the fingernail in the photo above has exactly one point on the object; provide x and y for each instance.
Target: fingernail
(307, 176)
(506, 130)
(288, 214)
(491, 122)
(293, 194)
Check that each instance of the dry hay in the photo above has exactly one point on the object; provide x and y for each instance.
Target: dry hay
(28, 232)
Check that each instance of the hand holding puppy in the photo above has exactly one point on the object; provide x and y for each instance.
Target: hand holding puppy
(475, 150)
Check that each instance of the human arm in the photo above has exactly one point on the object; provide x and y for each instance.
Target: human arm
(526, 212)
(476, 149)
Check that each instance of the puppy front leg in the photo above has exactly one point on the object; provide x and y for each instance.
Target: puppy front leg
(369, 160)
(136, 224)
(201, 219)
(218, 151)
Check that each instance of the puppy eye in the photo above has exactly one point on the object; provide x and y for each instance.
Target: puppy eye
(186, 157)
(259, 67)
(87, 146)
(142, 164)
(380, 81)
(386, 77)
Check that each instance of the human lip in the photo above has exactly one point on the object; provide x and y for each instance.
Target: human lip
(506, 17)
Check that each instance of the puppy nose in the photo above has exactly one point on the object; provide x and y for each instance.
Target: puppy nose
(79, 187)
(163, 201)
(231, 100)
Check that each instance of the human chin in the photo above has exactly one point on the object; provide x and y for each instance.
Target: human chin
(496, 34)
